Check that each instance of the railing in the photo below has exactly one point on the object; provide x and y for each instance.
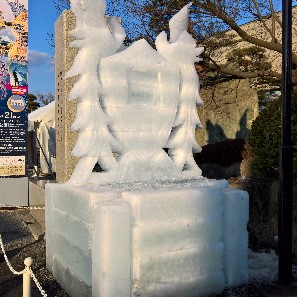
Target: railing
(21, 207)
(27, 274)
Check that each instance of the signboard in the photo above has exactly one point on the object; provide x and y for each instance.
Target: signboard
(13, 87)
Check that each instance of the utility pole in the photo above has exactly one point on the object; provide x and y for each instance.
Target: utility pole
(285, 203)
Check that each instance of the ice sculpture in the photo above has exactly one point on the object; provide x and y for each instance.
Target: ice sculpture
(134, 102)
(162, 237)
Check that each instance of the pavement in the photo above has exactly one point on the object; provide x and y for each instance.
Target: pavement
(23, 236)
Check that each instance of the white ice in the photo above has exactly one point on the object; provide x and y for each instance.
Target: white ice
(181, 50)
(159, 228)
(176, 238)
(134, 101)
(94, 138)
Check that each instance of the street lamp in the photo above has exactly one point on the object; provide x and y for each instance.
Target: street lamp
(285, 203)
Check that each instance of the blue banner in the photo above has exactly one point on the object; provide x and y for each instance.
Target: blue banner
(13, 87)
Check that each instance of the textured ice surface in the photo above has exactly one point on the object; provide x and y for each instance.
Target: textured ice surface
(180, 234)
(178, 238)
(181, 50)
(236, 214)
(133, 101)
(174, 266)
(75, 230)
(263, 266)
(69, 281)
(142, 110)
(95, 39)
(204, 285)
(112, 247)
(158, 228)
(169, 205)
(179, 23)
(81, 201)
(49, 227)
(73, 257)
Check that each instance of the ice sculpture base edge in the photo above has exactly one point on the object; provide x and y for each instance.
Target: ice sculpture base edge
(184, 239)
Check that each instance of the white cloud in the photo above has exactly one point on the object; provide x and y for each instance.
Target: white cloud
(41, 72)
(36, 58)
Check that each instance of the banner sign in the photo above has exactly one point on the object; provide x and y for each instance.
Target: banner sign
(13, 87)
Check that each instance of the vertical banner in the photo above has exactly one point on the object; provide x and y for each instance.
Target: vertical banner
(13, 87)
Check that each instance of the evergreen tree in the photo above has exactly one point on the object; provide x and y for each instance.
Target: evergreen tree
(32, 103)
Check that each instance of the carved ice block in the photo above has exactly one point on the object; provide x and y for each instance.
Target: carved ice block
(175, 239)
(111, 250)
(236, 215)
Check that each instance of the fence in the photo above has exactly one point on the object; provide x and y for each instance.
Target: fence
(27, 274)
(20, 207)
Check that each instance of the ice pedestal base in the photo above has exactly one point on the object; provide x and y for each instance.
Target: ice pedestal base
(169, 239)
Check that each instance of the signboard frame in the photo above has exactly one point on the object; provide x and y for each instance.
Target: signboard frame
(14, 102)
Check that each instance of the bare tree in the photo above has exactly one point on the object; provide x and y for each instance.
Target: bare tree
(216, 24)
(45, 99)
(211, 24)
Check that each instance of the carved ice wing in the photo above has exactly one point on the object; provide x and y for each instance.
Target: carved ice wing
(117, 30)
(162, 43)
(89, 12)
(179, 23)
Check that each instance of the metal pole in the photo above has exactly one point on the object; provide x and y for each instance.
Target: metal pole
(285, 206)
(46, 160)
(27, 278)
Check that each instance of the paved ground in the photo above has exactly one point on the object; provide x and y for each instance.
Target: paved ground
(20, 243)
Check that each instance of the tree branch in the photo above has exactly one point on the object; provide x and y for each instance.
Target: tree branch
(217, 12)
(242, 74)
(261, 19)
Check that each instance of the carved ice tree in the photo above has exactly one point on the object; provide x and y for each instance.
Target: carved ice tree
(96, 37)
(181, 50)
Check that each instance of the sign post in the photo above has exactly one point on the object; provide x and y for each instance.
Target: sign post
(13, 102)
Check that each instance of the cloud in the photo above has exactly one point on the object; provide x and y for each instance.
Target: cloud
(36, 58)
(41, 72)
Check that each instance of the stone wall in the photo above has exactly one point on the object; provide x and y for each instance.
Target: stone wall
(263, 218)
(228, 111)
(65, 109)
(257, 29)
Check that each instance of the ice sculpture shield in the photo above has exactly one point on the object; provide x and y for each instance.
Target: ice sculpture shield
(141, 95)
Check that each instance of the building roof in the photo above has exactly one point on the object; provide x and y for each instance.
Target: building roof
(42, 114)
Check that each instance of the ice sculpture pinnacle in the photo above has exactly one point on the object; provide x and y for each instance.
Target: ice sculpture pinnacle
(132, 103)
(182, 51)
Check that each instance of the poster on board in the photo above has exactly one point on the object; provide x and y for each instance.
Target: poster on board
(13, 87)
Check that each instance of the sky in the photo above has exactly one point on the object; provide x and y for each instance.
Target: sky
(42, 16)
